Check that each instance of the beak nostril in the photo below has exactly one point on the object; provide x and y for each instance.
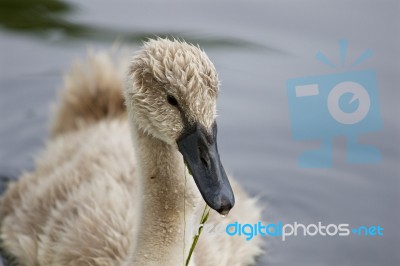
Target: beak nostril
(204, 158)
(204, 161)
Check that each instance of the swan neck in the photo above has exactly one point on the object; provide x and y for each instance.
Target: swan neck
(169, 199)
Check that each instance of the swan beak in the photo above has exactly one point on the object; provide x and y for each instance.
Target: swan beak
(200, 152)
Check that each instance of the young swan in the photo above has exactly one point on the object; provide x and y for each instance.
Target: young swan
(95, 200)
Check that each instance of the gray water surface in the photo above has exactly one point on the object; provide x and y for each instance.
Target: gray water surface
(256, 47)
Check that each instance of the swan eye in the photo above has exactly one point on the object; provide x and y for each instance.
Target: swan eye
(172, 100)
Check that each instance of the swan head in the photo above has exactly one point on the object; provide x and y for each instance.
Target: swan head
(171, 95)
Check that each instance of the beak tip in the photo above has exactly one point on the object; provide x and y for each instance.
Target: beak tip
(226, 205)
(224, 213)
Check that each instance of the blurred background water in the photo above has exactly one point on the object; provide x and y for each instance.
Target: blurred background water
(256, 46)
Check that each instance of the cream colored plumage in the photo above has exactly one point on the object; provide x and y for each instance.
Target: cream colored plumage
(96, 197)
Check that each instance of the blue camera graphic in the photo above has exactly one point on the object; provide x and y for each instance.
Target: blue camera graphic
(340, 104)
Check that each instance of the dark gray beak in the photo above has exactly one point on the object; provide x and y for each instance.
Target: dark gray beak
(200, 152)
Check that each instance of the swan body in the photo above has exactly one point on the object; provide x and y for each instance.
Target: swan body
(111, 187)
